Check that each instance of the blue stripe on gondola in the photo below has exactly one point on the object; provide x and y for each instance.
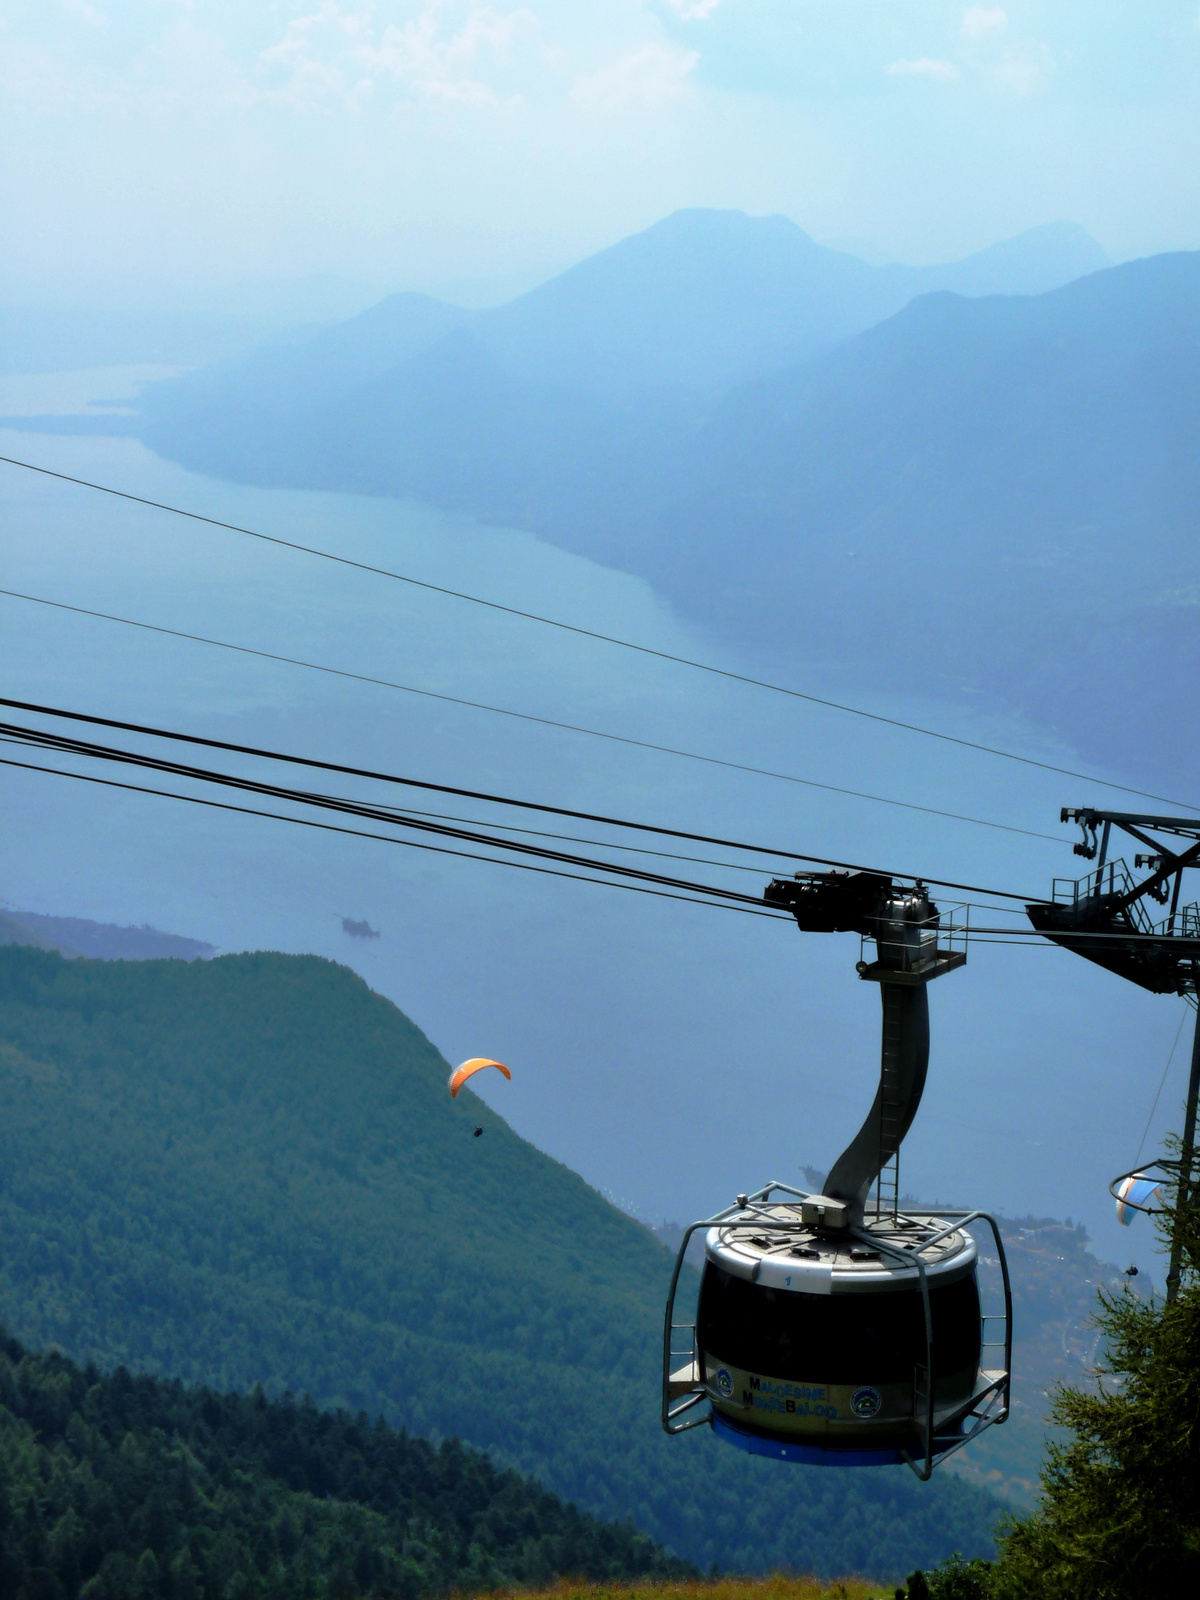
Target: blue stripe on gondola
(777, 1449)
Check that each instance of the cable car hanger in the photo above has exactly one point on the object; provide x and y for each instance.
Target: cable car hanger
(832, 1331)
(1105, 918)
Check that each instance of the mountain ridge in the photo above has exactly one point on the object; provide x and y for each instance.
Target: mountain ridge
(695, 303)
(992, 462)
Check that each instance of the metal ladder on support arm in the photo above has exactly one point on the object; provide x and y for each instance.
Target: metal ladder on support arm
(891, 1103)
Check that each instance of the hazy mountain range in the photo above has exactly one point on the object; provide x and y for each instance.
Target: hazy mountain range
(223, 322)
(1012, 484)
(798, 448)
(700, 301)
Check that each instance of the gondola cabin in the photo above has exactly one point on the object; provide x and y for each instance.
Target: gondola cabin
(862, 1348)
(816, 1348)
(825, 1333)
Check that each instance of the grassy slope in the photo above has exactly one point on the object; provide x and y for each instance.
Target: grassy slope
(249, 1170)
(776, 1587)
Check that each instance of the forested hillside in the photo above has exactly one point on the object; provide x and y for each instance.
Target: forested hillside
(248, 1170)
(118, 1486)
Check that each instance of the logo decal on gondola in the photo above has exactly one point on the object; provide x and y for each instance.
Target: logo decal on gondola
(724, 1382)
(866, 1402)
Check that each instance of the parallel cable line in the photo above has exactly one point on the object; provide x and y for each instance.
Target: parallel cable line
(647, 882)
(601, 844)
(412, 844)
(526, 716)
(1121, 936)
(590, 633)
(495, 799)
(68, 746)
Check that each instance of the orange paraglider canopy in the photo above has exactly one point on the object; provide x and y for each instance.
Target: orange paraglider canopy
(468, 1070)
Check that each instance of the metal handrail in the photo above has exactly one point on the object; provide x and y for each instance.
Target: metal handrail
(1000, 1387)
(1073, 891)
(669, 1413)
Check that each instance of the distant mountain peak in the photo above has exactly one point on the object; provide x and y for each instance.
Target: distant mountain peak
(722, 222)
(1040, 258)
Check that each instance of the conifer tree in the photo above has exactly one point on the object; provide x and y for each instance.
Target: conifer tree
(1120, 1511)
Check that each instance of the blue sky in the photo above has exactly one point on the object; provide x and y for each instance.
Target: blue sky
(157, 145)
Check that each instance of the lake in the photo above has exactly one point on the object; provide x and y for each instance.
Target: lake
(671, 1054)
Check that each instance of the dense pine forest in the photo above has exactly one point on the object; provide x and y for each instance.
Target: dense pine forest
(115, 1486)
(248, 1170)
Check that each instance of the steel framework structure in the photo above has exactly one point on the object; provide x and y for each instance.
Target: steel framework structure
(1106, 918)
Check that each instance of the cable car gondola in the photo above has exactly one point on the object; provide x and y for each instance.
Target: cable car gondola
(827, 1332)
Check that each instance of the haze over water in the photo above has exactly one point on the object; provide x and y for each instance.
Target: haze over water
(671, 1054)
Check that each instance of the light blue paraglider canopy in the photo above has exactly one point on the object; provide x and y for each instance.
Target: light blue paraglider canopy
(1135, 1193)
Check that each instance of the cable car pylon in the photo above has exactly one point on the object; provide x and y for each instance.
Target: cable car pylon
(832, 1329)
(1105, 918)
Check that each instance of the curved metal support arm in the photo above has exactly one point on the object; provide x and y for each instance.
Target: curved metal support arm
(904, 1063)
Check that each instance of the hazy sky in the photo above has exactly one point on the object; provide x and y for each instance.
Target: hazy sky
(156, 144)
